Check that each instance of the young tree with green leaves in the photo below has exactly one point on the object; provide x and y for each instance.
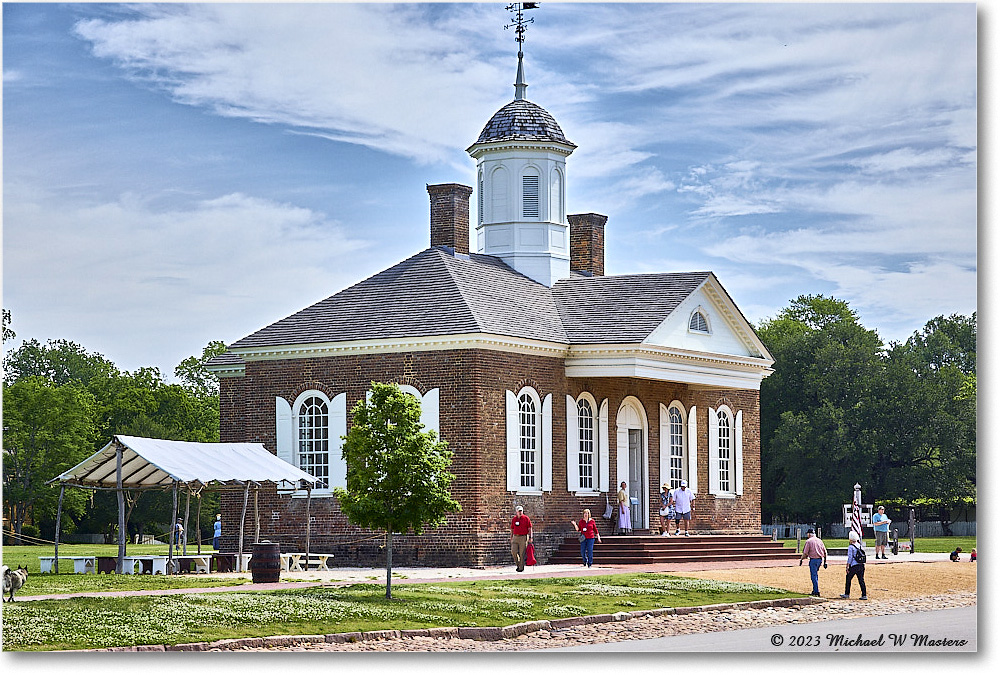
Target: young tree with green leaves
(397, 473)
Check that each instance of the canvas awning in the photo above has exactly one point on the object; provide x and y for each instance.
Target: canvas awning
(133, 463)
(153, 462)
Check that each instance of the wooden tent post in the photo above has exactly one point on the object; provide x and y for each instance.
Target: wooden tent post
(173, 530)
(309, 492)
(198, 523)
(243, 520)
(187, 517)
(62, 491)
(256, 513)
(120, 563)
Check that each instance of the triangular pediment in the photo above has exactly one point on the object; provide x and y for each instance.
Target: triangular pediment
(728, 332)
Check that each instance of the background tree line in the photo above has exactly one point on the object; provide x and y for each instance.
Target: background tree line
(842, 407)
(61, 403)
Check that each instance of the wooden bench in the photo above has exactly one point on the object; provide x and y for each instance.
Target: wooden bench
(82, 564)
(294, 562)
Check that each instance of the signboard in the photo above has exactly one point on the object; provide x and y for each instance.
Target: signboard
(866, 515)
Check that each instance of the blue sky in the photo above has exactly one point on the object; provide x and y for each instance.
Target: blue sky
(174, 174)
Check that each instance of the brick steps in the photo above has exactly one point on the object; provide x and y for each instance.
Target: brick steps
(644, 550)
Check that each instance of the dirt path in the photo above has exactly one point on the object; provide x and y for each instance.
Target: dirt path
(897, 580)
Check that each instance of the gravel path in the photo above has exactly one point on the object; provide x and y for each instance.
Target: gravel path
(644, 627)
(893, 589)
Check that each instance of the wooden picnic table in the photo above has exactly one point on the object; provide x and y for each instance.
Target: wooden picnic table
(294, 562)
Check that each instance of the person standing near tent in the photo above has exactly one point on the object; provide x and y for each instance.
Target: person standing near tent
(217, 534)
(178, 533)
(520, 535)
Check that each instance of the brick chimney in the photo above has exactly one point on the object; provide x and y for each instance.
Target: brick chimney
(586, 243)
(450, 216)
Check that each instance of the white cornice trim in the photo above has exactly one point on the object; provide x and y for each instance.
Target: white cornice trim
(228, 370)
(417, 344)
(671, 365)
(477, 150)
(595, 360)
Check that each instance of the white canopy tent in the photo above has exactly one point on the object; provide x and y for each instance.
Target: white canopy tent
(132, 463)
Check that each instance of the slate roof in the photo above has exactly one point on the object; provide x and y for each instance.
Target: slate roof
(436, 292)
(522, 120)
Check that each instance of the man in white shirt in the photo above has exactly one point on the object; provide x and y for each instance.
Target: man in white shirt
(683, 499)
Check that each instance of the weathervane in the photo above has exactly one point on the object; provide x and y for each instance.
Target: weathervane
(519, 23)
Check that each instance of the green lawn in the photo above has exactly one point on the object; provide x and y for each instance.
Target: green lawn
(925, 545)
(103, 622)
(67, 582)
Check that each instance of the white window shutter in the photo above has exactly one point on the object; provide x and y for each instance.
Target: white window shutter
(547, 443)
(664, 445)
(430, 406)
(739, 452)
(572, 445)
(513, 444)
(692, 449)
(603, 449)
(622, 464)
(284, 437)
(338, 428)
(713, 451)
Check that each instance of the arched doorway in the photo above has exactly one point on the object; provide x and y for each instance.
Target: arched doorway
(633, 458)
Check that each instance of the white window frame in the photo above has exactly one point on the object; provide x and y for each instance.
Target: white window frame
(671, 452)
(541, 439)
(574, 442)
(718, 463)
(287, 424)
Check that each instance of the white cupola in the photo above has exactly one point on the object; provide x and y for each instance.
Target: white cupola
(521, 179)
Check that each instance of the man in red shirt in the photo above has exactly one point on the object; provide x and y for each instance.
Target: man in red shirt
(520, 535)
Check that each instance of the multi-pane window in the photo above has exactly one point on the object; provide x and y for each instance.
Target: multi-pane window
(314, 439)
(585, 416)
(676, 448)
(529, 195)
(528, 422)
(698, 323)
(725, 452)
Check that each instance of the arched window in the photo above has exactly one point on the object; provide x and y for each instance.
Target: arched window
(313, 438)
(698, 322)
(498, 196)
(528, 422)
(725, 451)
(676, 431)
(585, 425)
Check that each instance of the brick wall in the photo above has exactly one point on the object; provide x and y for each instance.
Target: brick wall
(472, 387)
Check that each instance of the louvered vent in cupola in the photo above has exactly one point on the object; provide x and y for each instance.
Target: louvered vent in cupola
(529, 193)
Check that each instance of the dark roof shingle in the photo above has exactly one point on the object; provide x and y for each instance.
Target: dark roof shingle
(436, 292)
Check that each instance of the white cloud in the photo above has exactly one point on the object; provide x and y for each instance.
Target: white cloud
(163, 277)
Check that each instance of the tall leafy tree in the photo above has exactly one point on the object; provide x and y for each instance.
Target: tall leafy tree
(48, 428)
(841, 408)
(397, 473)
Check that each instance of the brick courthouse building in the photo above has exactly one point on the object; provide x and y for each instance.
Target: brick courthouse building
(551, 382)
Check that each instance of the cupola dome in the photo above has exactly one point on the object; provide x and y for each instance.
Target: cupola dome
(522, 120)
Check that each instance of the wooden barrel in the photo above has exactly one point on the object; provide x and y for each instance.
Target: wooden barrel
(265, 563)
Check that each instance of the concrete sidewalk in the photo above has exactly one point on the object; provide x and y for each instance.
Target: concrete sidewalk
(408, 575)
